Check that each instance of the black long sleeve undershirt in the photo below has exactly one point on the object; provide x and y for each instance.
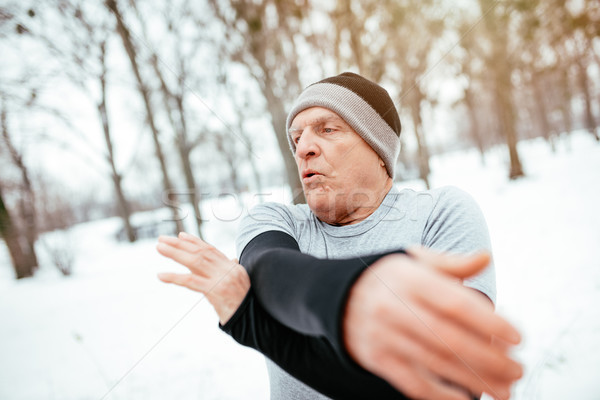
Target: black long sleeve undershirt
(305, 293)
(292, 314)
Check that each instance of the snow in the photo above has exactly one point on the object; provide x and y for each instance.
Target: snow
(113, 331)
(545, 232)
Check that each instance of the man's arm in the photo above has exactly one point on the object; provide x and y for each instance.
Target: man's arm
(311, 359)
(418, 348)
(404, 319)
(303, 292)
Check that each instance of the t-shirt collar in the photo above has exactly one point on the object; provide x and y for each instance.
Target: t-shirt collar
(368, 223)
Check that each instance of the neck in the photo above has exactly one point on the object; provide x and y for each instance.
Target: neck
(355, 213)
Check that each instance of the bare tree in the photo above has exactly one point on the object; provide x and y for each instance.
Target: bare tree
(351, 30)
(568, 38)
(173, 96)
(474, 92)
(261, 36)
(586, 30)
(496, 17)
(23, 260)
(418, 21)
(123, 204)
(530, 52)
(584, 87)
(87, 52)
(392, 40)
(20, 238)
(145, 92)
(243, 110)
(18, 227)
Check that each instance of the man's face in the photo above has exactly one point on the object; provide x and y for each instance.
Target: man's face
(340, 172)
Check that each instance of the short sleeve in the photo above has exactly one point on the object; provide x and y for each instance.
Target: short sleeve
(457, 225)
(267, 217)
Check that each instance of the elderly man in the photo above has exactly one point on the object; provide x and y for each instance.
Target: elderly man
(341, 294)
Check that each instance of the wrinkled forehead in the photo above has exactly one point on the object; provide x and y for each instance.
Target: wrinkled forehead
(315, 116)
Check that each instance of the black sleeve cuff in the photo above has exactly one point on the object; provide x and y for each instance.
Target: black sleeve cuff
(237, 314)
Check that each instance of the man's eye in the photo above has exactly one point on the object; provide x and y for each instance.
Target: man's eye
(296, 139)
(328, 130)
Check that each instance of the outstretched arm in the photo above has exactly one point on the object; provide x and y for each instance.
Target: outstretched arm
(403, 320)
(406, 319)
(311, 359)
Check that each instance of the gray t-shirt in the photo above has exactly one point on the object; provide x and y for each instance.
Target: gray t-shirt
(445, 219)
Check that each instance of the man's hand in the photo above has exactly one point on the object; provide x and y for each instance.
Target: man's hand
(409, 321)
(224, 282)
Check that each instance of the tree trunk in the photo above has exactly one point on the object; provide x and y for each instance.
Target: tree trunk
(510, 133)
(565, 101)
(174, 105)
(278, 118)
(27, 200)
(423, 151)
(27, 205)
(188, 172)
(541, 112)
(122, 204)
(474, 130)
(144, 91)
(501, 70)
(180, 129)
(349, 22)
(582, 76)
(258, 39)
(230, 159)
(255, 172)
(23, 262)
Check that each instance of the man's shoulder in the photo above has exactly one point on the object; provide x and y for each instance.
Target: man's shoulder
(272, 216)
(441, 197)
(453, 199)
(445, 192)
(280, 210)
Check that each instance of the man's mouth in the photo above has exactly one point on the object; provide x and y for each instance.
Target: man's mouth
(309, 173)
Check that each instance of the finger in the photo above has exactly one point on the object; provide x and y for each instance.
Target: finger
(183, 257)
(454, 365)
(500, 344)
(419, 384)
(190, 281)
(213, 252)
(179, 243)
(461, 304)
(451, 351)
(459, 266)
(193, 239)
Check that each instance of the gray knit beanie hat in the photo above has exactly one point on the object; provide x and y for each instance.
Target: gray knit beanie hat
(364, 105)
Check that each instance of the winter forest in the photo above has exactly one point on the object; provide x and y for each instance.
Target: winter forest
(122, 120)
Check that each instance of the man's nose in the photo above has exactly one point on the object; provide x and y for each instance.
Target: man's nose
(307, 145)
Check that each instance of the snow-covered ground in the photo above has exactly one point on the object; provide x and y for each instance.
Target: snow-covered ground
(113, 331)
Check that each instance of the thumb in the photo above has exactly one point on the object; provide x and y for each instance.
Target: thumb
(455, 265)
